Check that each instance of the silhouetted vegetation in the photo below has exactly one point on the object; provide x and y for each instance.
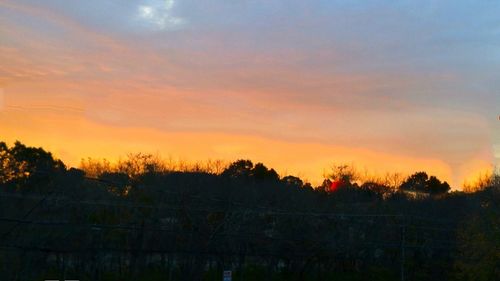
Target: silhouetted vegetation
(147, 219)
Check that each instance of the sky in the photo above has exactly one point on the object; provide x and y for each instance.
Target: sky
(390, 86)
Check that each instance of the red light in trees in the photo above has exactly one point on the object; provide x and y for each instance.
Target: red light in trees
(335, 185)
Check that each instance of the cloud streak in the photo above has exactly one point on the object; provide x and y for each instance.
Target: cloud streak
(376, 79)
(159, 15)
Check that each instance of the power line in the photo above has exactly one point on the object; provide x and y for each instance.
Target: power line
(249, 209)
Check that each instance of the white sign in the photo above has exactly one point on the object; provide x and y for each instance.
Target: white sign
(228, 275)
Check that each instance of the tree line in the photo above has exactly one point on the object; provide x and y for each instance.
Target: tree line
(144, 218)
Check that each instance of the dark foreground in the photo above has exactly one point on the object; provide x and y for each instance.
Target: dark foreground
(154, 224)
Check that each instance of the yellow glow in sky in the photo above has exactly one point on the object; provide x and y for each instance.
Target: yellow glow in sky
(71, 138)
(298, 89)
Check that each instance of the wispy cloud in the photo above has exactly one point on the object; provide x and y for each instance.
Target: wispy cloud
(393, 80)
(159, 15)
(496, 149)
(2, 102)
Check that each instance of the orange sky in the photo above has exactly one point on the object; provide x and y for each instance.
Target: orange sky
(346, 85)
(71, 137)
(72, 129)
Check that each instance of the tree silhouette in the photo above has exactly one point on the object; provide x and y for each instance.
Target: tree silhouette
(292, 181)
(435, 186)
(421, 182)
(241, 169)
(138, 218)
(415, 182)
(261, 173)
(28, 167)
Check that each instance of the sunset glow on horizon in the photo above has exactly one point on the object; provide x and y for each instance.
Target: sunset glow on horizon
(393, 87)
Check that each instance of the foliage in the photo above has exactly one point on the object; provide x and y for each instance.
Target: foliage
(25, 167)
(421, 182)
(146, 219)
(480, 239)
